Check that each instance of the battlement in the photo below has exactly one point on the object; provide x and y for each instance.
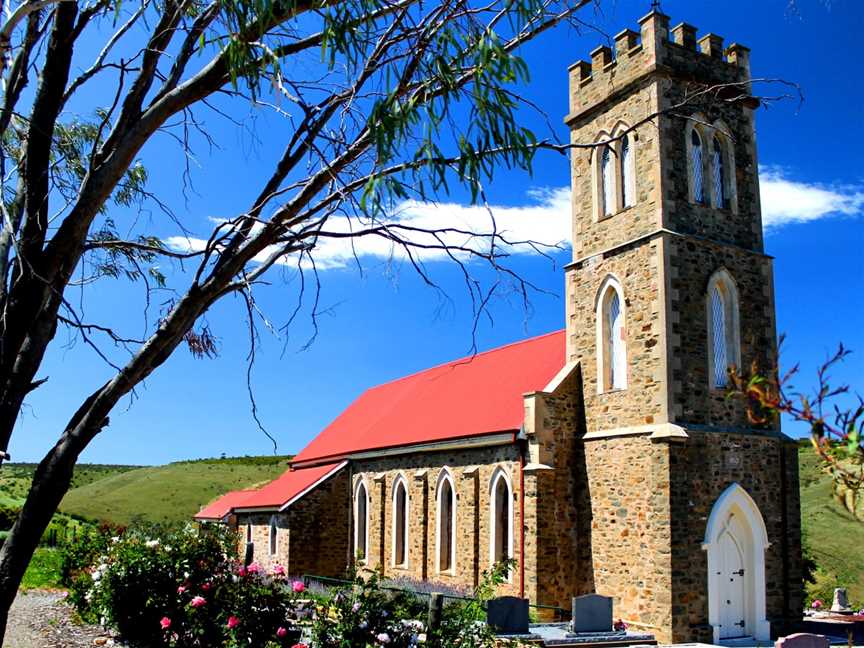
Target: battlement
(655, 47)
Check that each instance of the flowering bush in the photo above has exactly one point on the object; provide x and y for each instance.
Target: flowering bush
(184, 588)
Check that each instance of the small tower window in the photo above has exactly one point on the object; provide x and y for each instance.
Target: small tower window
(611, 338)
(446, 524)
(273, 535)
(501, 535)
(400, 523)
(607, 170)
(719, 172)
(361, 522)
(696, 167)
(724, 349)
(627, 172)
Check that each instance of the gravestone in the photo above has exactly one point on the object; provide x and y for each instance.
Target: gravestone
(592, 613)
(802, 640)
(508, 615)
(841, 601)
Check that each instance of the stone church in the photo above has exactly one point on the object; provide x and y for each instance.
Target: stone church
(605, 457)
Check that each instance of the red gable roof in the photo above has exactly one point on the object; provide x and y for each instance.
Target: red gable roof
(286, 489)
(477, 395)
(220, 507)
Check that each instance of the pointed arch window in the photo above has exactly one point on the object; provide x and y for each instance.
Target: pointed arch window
(724, 349)
(400, 523)
(501, 526)
(718, 168)
(361, 522)
(696, 167)
(607, 179)
(273, 535)
(628, 181)
(611, 338)
(446, 524)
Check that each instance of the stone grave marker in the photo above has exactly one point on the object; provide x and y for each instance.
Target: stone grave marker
(592, 613)
(508, 615)
(802, 640)
(841, 601)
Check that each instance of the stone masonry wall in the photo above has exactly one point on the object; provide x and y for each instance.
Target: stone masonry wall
(626, 555)
(472, 471)
(644, 401)
(312, 535)
(701, 469)
(691, 265)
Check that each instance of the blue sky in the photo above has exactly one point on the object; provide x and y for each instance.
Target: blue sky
(385, 323)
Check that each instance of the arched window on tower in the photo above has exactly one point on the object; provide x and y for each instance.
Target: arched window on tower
(400, 523)
(611, 337)
(628, 180)
(607, 179)
(273, 535)
(718, 168)
(446, 523)
(724, 348)
(361, 522)
(696, 170)
(501, 518)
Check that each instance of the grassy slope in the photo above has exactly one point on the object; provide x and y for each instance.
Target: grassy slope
(15, 478)
(168, 493)
(834, 538)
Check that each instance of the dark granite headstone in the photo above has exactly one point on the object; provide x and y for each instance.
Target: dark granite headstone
(592, 613)
(508, 615)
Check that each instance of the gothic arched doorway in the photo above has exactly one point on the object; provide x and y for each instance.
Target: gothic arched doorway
(736, 540)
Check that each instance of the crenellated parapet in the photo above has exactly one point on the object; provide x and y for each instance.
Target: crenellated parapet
(655, 48)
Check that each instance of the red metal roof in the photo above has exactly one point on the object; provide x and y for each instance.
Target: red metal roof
(473, 396)
(289, 487)
(220, 507)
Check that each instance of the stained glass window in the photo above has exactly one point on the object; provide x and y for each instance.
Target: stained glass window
(608, 177)
(718, 331)
(696, 166)
(627, 168)
(719, 174)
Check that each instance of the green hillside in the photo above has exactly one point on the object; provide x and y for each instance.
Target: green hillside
(15, 478)
(170, 493)
(832, 537)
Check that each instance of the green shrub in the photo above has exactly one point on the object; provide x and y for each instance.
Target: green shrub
(179, 587)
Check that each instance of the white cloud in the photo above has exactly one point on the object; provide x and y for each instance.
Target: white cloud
(786, 201)
(545, 220)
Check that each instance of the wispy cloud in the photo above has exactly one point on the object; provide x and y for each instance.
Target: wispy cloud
(545, 219)
(786, 201)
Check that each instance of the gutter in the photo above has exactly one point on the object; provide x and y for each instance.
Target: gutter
(522, 445)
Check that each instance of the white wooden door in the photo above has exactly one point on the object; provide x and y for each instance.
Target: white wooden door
(732, 595)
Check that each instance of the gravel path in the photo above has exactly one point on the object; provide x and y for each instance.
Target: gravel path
(40, 619)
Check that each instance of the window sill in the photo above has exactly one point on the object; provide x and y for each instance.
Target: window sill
(606, 217)
(612, 391)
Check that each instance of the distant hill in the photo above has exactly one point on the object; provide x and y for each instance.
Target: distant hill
(834, 539)
(170, 493)
(15, 478)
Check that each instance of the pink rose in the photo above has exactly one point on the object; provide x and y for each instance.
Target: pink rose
(278, 570)
(281, 632)
(253, 568)
(298, 587)
(165, 623)
(816, 605)
(300, 645)
(241, 570)
(197, 601)
(205, 587)
(181, 589)
(233, 622)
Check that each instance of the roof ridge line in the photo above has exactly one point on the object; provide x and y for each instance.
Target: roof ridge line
(460, 360)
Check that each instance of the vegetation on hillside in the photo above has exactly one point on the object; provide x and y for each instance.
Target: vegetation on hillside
(832, 536)
(170, 493)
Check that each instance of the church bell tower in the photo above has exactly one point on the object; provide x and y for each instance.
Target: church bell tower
(690, 516)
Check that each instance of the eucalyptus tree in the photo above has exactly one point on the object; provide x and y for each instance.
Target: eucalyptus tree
(383, 100)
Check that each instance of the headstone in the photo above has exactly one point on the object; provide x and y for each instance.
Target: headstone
(508, 615)
(592, 613)
(802, 640)
(841, 601)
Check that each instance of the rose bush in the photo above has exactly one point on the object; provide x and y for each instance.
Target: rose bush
(183, 588)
